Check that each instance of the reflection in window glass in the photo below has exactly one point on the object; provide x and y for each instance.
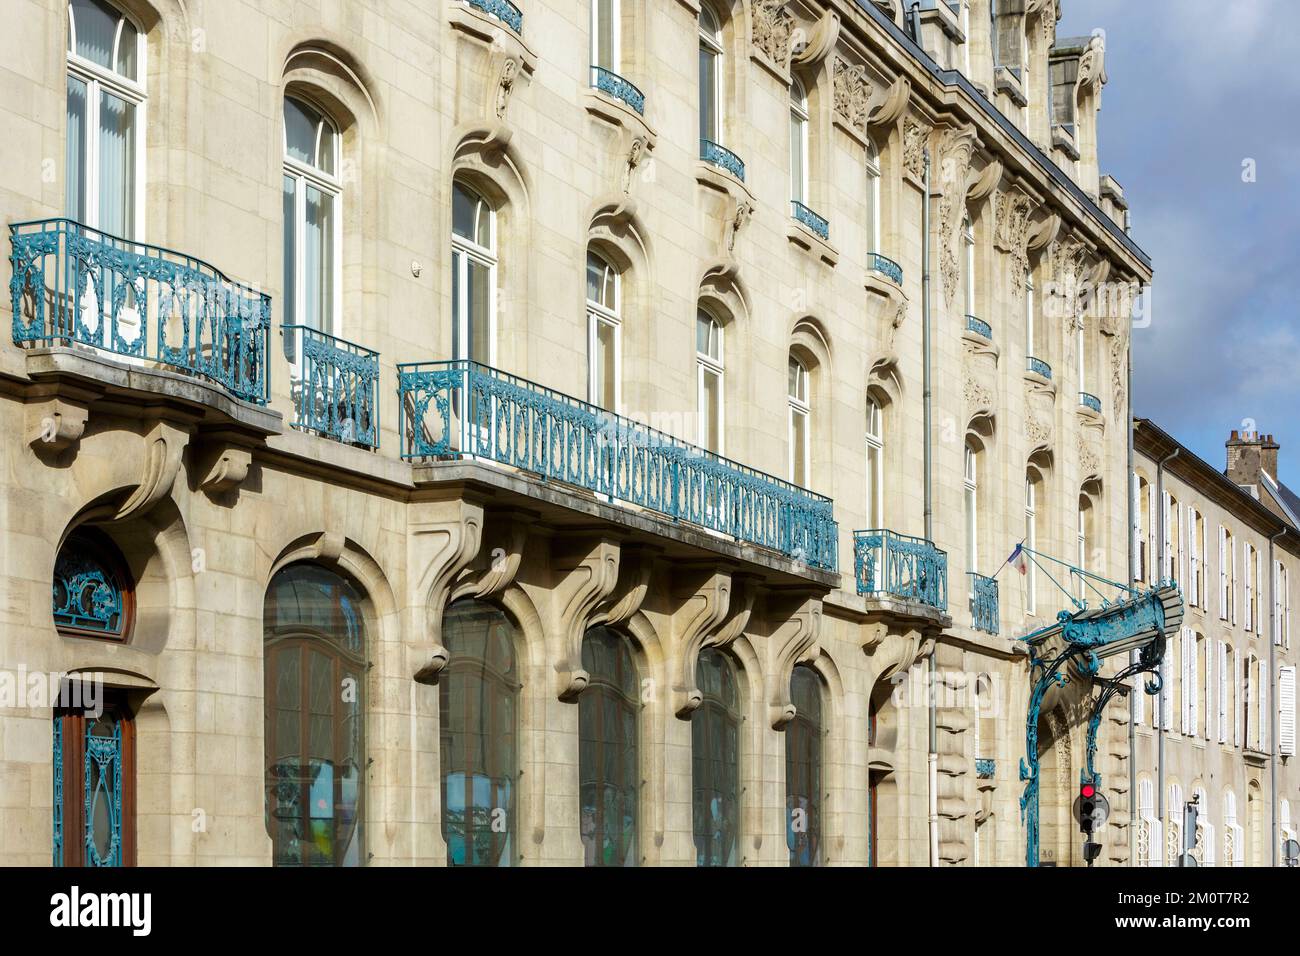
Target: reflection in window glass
(609, 771)
(715, 761)
(803, 769)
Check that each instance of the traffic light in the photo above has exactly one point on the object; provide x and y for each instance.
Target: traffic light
(1087, 806)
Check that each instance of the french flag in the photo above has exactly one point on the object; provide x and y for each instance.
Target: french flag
(1019, 560)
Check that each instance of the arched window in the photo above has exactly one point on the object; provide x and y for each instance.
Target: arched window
(1234, 838)
(1205, 830)
(968, 263)
(710, 371)
(1031, 541)
(715, 761)
(315, 665)
(970, 480)
(875, 464)
(798, 143)
(1150, 840)
(106, 104)
(800, 414)
(1084, 539)
(473, 276)
(604, 333)
(803, 769)
(1031, 340)
(873, 212)
(606, 35)
(478, 697)
(313, 220)
(93, 591)
(609, 769)
(710, 76)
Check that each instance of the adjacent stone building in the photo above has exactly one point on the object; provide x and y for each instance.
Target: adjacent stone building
(526, 433)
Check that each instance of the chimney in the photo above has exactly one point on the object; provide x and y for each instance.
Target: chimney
(1248, 453)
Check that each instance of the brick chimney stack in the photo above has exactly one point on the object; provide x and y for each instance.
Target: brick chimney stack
(1248, 453)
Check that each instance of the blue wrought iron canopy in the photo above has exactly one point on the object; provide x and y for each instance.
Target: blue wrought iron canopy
(1117, 627)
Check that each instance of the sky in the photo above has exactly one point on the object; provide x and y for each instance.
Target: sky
(1196, 88)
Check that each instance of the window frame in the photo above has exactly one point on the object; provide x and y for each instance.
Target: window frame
(799, 406)
(600, 314)
(732, 716)
(464, 252)
(1031, 542)
(873, 199)
(970, 497)
(968, 260)
(616, 36)
(307, 176)
(710, 42)
(706, 364)
(875, 449)
(799, 127)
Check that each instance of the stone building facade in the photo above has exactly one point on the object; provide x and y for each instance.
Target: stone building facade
(541, 472)
(1222, 731)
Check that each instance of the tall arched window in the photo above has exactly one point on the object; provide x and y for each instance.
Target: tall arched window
(970, 481)
(800, 415)
(873, 212)
(715, 761)
(473, 276)
(875, 464)
(315, 665)
(710, 76)
(1031, 542)
(1234, 839)
(106, 104)
(968, 264)
(803, 769)
(710, 371)
(606, 35)
(478, 696)
(313, 219)
(798, 143)
(604, 332)
(609, 769)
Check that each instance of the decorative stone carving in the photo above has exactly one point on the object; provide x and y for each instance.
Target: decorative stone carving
(588, 577)
(635, 154)
(1089, 456)
(1038, 432)
(744, 210)
(1013, 209)
(705, 600)
(813, 46)
(852, 93)
(888, 106)
(506, 84)
(442, 539)
(772, 27)
(223, 466)
(979, 397)
(55, 424)
(915, 136)
(497, 562)
(1092, 66)
(955, 149)
(1072, 270)
(164, 446)
(983, 184)
(1119, 374)
(795, 642)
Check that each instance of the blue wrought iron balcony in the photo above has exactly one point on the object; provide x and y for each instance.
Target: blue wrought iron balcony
(503, 10)
(611, 84)
(76, 285)
(723, 158)
(886, 267)
(1088, 400)
(1038, 367)
(888, 564)
(816, 223)
(979, 326)
(460, 409)
(336, 387)
(985, 767)
(984, 603)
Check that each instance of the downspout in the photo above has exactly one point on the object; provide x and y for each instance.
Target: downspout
(1160, 702)
(1272, 696)
(933, 757)
(1133, 657)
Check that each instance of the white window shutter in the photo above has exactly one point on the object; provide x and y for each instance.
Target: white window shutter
(1193, 686)
(1265, 714)
(1286, 710)
(1223, 573)
(1167, 694)
(1223, 692)
(1210, 712)
(1157, 842)
(1185, 683)
(1140, 699)
(1137, 529)
(1166, 551)
(1236, 686)
(1193, 591)
(1182, 553)
(1234, 583)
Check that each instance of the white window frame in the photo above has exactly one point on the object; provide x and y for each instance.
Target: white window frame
(968, 260)
(306, 175)
(875, 444)
(99, 79)
(712, 42)
(597, 315)
(970, 484)
(616, 14)
(1031, 542)
(873, 199)
(706, 364)
(464, 251)
(1029, 315)
(799, 118)
(800, 405)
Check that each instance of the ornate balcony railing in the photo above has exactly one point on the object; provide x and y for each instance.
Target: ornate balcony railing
(74, 284)
(816, 223)
(901, 566)
(985, 768)
(886, 267)
(461, 409)
(1088, 400)
(984, 603)
(503, 10)
(609, 82)
(723, 158)
(336, 386)
(979, 326)
(1038, 367)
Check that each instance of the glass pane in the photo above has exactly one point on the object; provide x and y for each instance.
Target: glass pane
(798, 447)
(458, 316)
(75, 162)
(796, 158)
(873, 193)
(606, 364)
(116, 165)
(463, 203)
(127, 48)
(711, 408)
(319, 261)
(288, 293)
(480, 312)
(300, 122)
(803, 770)
(708, 95)
(95, 23)
(873, 485)
(605, 32)
(609, 770)
(327, 147)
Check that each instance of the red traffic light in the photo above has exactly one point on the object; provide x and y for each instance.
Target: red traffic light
(1087, 790)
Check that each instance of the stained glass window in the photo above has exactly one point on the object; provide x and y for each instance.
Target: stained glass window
(803, 769)
(608, 767)
(91, 590)
(715, 761)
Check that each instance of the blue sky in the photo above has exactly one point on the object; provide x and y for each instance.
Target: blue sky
(1195, 88)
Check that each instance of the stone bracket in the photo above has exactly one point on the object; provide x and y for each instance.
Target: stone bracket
(55, 424)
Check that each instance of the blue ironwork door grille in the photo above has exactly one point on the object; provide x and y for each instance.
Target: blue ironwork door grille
(94, 788)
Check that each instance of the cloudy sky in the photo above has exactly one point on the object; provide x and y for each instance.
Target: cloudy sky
(1196, 88)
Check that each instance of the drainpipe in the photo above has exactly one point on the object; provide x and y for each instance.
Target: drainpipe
(1131, 483)
(933, 758)
(1160, 702)
(1272, 696)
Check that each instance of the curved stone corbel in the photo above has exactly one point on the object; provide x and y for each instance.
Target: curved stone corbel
(222, 465)
(795, 642)
(705, 599)
(497, 562)
(635, 565)
(615, 212)
(55, 424)
(889, 105)
(440, 545)
(164, 447)
(985, 181)
(1042, 234)
(589, 577)
(819, 41)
